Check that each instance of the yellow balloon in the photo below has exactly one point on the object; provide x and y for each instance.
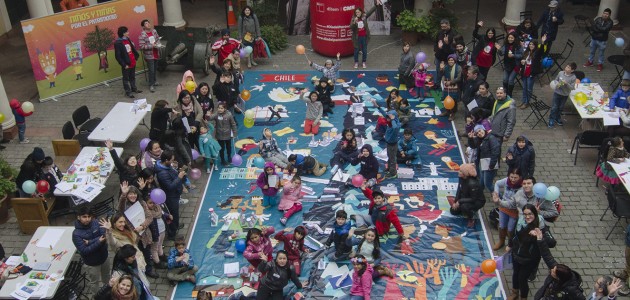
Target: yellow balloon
(581, 98)
(249, 123)
(191, 86)
(1, 117)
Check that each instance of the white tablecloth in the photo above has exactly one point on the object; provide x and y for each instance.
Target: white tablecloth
(119, 123)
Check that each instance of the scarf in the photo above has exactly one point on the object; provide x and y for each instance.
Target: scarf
(118, 296)
(343, 229)
(188, 108)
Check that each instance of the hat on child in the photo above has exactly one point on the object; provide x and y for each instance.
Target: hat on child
(38, 154)
(479, 127)
(553, 3)
(625, 82)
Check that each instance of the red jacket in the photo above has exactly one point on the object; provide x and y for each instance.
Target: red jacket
(293, 247)
(386, 216)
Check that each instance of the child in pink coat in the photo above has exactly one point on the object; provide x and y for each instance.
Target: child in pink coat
(270, 192)
(290, 202)
(258, 245)
(420, 75)
(361, 278)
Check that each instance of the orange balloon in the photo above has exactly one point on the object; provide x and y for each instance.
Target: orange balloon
(449, 103)
(488, 266)
(299, 49)
(245, 95)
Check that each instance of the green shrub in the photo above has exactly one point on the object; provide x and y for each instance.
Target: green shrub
(275, 36)
(437, 14)
(266, 12)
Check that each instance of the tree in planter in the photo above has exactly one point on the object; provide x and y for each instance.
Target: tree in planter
(275, 36)
(412, 26)
(7, 188)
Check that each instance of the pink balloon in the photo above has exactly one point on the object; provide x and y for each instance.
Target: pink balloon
(195, 154)
(195, 173)
(357, 180)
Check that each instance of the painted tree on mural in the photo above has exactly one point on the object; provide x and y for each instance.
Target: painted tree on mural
(98, 41)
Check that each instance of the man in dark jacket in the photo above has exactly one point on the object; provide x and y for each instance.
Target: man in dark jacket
(31, 169)
(127, 56)
(549, 21)
(469, 198)
(172, 183)
(89, 239)
(444, 46)
(471, 87)
(599, 36)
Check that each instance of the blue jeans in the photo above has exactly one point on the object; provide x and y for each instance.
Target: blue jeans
(506, 221)
(557, 106)
(151, 66)
(362, 41)
(508, 77)
(21, 130)
(528, 87)
(601, 45)
(487, 179)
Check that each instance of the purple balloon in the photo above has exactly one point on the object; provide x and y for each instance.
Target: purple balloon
(158, 196)
(195, 173)
(420, 57)
(143, 144)
(243, 53)
(195, 154)
(237, 160)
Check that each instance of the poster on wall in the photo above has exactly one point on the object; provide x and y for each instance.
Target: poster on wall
(74, 50)
(297, 18)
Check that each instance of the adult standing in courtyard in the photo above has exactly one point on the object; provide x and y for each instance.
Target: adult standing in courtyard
(444, 46)
(149, 41)
(361, 33)
(127, 56)
(549, 21)
(599, 38)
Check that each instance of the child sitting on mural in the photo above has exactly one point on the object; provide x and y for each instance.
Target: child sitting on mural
(369, 164)
(407, 148)
(381, 215)
(361, 279)
(404, 111)
(324, 89)
(270, 191)
(329, 69)
(338, 236)
(346, 150)
(270, 151)
(314, 112)
(259, 247)
(293, 245)
(180, 264)
(305, 165)
(370, 247)
(291, 203)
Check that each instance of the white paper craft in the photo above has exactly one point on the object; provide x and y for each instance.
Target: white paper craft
(135, 214)
(611, 119)
(13, 260)
(272, 180)
(341, 176)
(472, 105)
(185, 121)
(359, 121)
(340, 97)
(231, 268)
(485, 164)
(50, 238)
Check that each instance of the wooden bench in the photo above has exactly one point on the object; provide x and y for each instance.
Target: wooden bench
(31, 213)
(65, 152)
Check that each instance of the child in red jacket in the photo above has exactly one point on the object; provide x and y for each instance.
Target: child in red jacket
(20, 119)
(381, 215)
(258, 245)
(293, 245)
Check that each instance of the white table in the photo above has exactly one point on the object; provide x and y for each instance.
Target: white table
(85, 162)
(119, 123)
(37, 254)
(623, 171)
(596, 104)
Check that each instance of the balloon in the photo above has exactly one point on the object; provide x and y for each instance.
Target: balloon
(195, 173)
(249, 123)
(547, 62)
(553, 193)
(27, 107)
(619, 42)
(28, 187)
(243, 53)
(581, 98)
(249, 50)
(449, 103)
(250, 114)
(553, 84)
(420, 57)
(237, 160)
(195, 154)
(357, 180)
(190, 86)
(488, 266)
(540, 190)
(240, 245)
(586, 80)
(158, 196)
(143, 144)
(299, 49)
(43, 186)
(259, 162)
(245, 95)
(1, 117)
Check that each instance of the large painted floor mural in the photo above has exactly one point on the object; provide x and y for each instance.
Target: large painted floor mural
(440, 260)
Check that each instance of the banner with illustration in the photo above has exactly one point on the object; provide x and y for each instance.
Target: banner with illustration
(72, 50)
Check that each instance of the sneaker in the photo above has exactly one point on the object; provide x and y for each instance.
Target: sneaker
(550, 125)
(360, 230)
(25, 141)
(152, 89)
(356, 65)
(283, 221)
(156, 84)
(364, 66)
(588, 63)
(253, 62)
(130, 95)
(559, 122)
(600, 67)
(183, 201)
(137, 91)
(208, 170)
(216, 168)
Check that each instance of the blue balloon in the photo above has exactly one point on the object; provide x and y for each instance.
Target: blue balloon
(553, 193)
(619, 42)
(586, 80)
(540, 190)
(240, 245)
(547, 62)
(259, 162)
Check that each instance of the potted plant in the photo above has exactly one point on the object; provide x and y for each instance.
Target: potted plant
(436, 15)
(412, 27)
(7, 188)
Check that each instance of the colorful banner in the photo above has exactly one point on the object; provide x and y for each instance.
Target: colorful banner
(73, 50)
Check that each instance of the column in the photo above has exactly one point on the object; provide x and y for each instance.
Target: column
(173, 13)
(5, 21)
(513, 12)
(5, 109)
(38, 8)
(614, 7)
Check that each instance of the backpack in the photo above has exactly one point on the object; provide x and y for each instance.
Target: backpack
(558, 206)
